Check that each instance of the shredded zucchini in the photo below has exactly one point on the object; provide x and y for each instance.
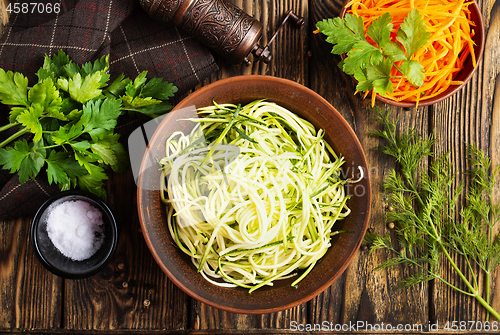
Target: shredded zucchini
(252, 194)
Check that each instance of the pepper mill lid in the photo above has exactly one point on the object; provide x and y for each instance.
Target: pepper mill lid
(220, 25)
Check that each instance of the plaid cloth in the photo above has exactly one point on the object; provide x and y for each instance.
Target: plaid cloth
(87, 30)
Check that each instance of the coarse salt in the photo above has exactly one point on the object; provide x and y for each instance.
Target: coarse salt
(76, 229)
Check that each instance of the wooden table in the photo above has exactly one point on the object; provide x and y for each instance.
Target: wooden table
(133, 295)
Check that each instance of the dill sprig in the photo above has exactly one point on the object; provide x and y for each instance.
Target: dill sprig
(424, 204)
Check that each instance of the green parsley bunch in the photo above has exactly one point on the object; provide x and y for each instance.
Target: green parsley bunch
(71, 114)
(371, 64)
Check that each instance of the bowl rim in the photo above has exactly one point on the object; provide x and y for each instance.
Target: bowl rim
(449, 92)
(106, 211)
(234, 81)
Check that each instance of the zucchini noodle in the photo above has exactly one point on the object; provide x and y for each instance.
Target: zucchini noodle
(252, 194)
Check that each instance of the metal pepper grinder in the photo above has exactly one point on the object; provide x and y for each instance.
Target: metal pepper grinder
(220, 25)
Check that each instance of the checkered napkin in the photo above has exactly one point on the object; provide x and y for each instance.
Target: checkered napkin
(87, 30)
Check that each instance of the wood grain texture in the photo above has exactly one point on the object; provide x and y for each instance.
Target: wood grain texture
(30, 296)
(491, 95)
(490, 98)
(469, 117)
(495, 157)
(209, 318)
(132, 292)
(289, 49)
(449, 128)
(4, 15)
(133, 295)
(362, 294)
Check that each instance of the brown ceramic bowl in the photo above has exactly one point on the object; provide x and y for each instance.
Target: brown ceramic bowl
(464, 75)
(178, 266)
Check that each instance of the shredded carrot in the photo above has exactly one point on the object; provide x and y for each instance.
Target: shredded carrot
(445, 53)
(373, 96)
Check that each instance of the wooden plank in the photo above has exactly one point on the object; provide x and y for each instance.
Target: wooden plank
(491, 95)
(469, 118)
(209, 318)
(495, 156)
(30, 294)
(452, 135)
(289, 61)
(476, 122)
(223, 332)
(132, 292)
(361, 294)
(289, 48)
(4, 15)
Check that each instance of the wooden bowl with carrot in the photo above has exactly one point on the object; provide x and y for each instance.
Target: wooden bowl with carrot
(407, 53)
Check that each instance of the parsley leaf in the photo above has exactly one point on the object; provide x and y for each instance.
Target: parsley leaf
(394, 51)
(142, 96)
(105, 152)
(381, 76)
(46, 95)
(158, 89)
(92, 184)
(414, 71)
(412, 33)
(380, 30)
(118, 86)
(53, 67)
(134, 88)
(64, 161)
(56, 163)
(67, 133)
(100, 65)
(83, 89)
(152, 110)
(342, 33)
(71, 113)
(362, 55)
(122, 160)
(71, 69)
(11, 158)
(13, 88)
(30, 119)
(25, 158)
(139, 102)
(100, 114)
(371, 62)
(14, 113)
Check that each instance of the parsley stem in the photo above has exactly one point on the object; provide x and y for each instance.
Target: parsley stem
(8, 126)
(51, 146)
(399, 70)
(14, 136)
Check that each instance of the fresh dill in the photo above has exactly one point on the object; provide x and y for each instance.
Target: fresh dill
(430, 224)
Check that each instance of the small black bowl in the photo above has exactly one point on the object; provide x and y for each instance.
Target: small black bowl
(53, 259)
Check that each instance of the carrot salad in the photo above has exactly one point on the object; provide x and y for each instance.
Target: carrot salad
(444, 54)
